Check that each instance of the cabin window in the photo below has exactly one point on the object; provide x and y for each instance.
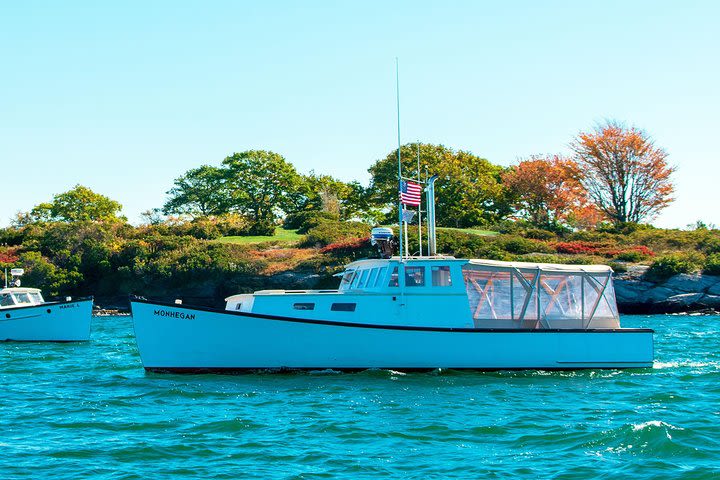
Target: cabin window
(441, 276)
(23, 298)
(363, 277)
(304, 306)
(414, 276)
(355, 280)
(238, 306)
(347, 278)
(342, 307)
(371, 278)
(380, 276)
(6, 300)
(36, 297)
(393, 278)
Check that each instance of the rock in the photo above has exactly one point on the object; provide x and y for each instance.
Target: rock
(690, 283)
(661, 294)
(681, 293)
(631, 290)
(711, 301)
(715, 289)
(684, 300)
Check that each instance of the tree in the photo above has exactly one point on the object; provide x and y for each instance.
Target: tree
(468, 191)
(325, 193)
(200, 191)
(625, 174)
(262, 183)
(348, 200)
(78, 204)
(547, 191)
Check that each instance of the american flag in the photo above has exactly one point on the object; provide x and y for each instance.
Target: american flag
(410, 193)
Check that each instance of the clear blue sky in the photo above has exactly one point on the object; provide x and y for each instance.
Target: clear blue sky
(123, 97)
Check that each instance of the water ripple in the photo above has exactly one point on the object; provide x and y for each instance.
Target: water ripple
(89, 410)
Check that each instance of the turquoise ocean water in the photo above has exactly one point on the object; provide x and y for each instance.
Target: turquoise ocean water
(90, 410)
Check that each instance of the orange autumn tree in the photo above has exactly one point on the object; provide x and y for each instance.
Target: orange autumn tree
(548, 190)
(627, 177)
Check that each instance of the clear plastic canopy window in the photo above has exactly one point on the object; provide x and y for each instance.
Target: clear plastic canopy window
(538, 298)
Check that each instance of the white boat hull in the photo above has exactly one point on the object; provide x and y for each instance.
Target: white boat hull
(48, 322)
(178, 338)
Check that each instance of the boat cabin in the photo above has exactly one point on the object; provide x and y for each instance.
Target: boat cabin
(449, 292)
(20, 297)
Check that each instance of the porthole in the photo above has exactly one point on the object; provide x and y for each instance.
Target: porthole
(343, 307)
(304, 306)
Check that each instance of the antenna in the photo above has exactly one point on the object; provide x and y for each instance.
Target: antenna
(400, 216)
(420, 204)
(6, 284)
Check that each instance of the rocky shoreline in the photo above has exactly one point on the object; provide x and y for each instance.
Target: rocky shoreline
(679, 294)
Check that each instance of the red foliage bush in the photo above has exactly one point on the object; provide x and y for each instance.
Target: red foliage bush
(597, 248)
(8, 256)
(576, 248)
(345, 244)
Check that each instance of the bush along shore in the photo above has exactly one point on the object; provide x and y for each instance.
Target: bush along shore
(204, 261)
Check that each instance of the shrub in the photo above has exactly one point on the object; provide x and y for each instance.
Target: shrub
(233, 224)
(11, 236)
(307, 219)
(329, 231)
(669, 265)
(8, 256)
(539, 234)
(203, 229)
(578, 247)
(712, 265)
(618, 267)
(637, 254)
(264, 228)
(710, 245)
(520, 246)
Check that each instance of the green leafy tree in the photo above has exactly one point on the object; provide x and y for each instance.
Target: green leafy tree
(348, 200)
(78, 204)
(200, 192)
(468, 192)
(262, 184)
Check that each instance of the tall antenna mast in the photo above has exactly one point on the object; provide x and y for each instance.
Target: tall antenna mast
(420, 204)
(400, 215)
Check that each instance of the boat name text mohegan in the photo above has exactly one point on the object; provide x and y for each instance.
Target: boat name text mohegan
(167, 313)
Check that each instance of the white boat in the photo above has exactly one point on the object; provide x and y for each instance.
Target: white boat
(26, 316)
(405, 313)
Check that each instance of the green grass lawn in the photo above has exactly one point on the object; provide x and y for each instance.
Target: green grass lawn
(281, 236)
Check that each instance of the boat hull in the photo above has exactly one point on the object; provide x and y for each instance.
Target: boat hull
(50, 322)
(187, 339)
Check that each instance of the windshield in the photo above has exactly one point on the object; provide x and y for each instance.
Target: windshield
(22, 298)
(36, 297)
(6, 300)
(347, 279)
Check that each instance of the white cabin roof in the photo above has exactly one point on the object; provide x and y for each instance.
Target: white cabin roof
(554, 267)
(19, 290)
(493, 264)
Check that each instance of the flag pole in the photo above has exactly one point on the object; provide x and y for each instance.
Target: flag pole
(419, 204)
(400, 215)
